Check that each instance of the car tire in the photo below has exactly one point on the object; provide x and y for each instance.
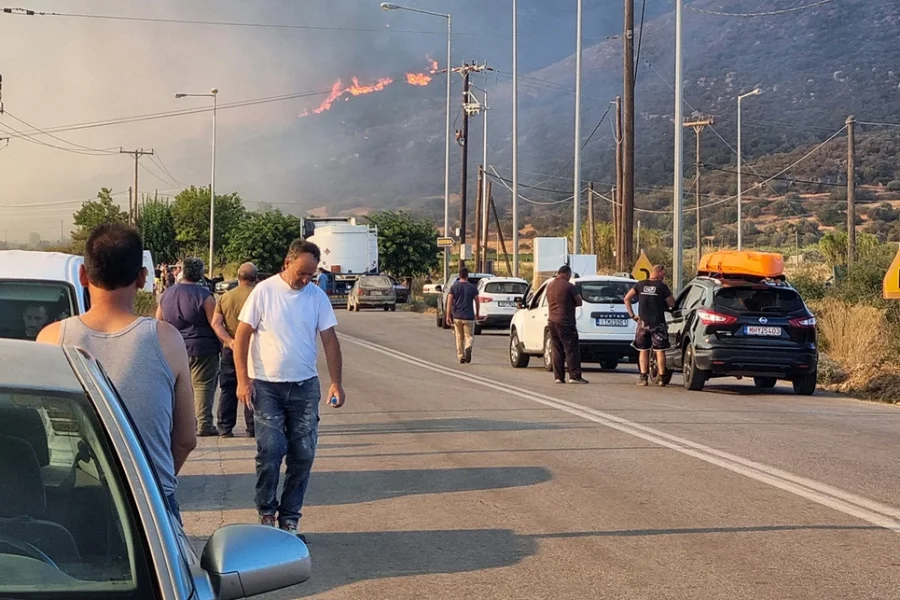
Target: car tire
(548, 352)
(694, 378)
(609, 364)
(438, 321)
(477, 330)
(654, 371)
(517, 356)
(386, 308)
(805, 385)
(766, 383)
(393, 308)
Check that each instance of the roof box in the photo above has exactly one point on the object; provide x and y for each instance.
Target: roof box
(741, 264)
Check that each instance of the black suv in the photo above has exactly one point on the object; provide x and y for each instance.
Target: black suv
(742, 328)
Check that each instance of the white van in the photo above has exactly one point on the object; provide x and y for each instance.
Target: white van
(151, 270)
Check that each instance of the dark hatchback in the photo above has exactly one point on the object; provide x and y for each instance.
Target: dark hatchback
(740, 328)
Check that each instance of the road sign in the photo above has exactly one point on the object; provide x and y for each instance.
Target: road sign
(891, 286)
(642, 267)
(444, 242)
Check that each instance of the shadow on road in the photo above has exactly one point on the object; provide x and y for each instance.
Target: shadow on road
(453, 425)
(331, 488)
(706, 530)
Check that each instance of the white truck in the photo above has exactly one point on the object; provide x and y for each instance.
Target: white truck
(349, 249)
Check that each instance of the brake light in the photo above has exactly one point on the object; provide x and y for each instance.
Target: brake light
(803, 322)
(708, 317)
(484, 299)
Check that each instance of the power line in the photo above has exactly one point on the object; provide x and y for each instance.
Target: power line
(768, 13)
(36, 129)
(16, 134)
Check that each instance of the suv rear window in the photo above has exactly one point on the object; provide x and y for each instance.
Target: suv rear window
(603, 292)
(505, 287)
(26, 307)
(754, 300)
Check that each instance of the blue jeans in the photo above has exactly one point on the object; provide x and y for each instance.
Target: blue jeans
(286, 419)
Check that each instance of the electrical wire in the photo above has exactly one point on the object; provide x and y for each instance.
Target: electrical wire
(16, 134)
(530, 201)
(768, 13)
(55, 137)
(159, 162)
(878, 124)
(637, 62)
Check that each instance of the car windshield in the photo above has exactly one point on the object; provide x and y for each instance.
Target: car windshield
(66, 525)
(753, 300)
(505, 287)
(603, 292)
(26, 307)
(375, 282)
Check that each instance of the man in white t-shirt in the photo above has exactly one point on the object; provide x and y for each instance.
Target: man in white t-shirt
(275, 362)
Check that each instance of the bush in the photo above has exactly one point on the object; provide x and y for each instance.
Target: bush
(853, 335)
(809, 286)
(145, 304)
(894, 186)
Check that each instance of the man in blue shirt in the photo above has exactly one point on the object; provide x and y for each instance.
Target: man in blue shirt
(462, 310)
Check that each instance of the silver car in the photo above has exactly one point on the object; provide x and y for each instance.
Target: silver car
(81, 511)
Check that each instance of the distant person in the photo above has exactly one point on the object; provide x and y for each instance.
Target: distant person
(34, 318)
(322, 280)
(171, 276)
(462, 311)
(225, 324)
(562, 300)
(275, 355)
(144, 358)
(654, 297)
(189, 306)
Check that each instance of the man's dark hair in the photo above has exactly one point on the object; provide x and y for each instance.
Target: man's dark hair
(113, 256)
(299, 247)
(463, 273)
(564, 270)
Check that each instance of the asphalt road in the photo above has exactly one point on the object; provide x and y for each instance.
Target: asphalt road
(441, 480)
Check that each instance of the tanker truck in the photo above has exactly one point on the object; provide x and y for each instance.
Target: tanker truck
(349, 249)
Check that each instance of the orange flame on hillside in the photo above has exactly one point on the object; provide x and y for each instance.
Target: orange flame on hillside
(357, 89)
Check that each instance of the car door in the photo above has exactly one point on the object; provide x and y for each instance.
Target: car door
(533, 336)
(679, 319)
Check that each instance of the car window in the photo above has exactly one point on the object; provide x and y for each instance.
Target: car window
(26, 307)
(537, 298)
(759, 300)
(375, 282)
(692, 298)
(66, 520)
(505, 287)
(603, 292)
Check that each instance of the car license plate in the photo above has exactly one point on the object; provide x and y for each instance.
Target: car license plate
(611, 322)
(506, 304)
(765, 331)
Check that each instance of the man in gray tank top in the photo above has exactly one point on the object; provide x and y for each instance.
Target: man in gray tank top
(145, 359)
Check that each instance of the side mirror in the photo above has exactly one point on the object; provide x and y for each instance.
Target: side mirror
(439, 288)
(246, 560)
(519, 302)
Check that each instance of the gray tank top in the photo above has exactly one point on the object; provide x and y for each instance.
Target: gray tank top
(134, 362)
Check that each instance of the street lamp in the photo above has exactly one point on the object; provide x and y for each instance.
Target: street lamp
(484, 180)
(390, 6)
(212, 183)
(740, 233)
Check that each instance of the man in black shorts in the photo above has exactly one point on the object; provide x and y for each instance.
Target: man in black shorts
(654, 298)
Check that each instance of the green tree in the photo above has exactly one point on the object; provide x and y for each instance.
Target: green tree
(158, 230)
(407, 247)
(94, 213)
(263, 238)
(190, 215)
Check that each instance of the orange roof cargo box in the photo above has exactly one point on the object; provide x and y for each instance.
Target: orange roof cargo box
(766, 265)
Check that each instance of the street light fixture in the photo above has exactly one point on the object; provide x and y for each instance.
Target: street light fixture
(212, 182)
(390, 6)
(740, 233)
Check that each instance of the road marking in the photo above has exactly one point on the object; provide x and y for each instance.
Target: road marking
(862, 508)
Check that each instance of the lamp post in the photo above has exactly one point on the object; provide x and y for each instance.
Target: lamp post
(214, 93)
(390, 6)
(740, 209)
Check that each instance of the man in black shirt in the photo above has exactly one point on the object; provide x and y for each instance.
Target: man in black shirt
(654, 298)
(562, 300)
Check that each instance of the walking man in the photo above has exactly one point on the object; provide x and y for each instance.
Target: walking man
(462, 310)
(275, 359)
(562, 300)
(144, 358)
(654, 298)
(189, 307)
(225, 324)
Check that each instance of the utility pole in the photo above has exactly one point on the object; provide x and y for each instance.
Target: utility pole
(678, 194)
(698, 125)
(499, 230)
(479, 198)
(137, 154)
(851, 190)
(515, 137)
(592, 234)
(617, 195)
(628, 141)
(576, 191)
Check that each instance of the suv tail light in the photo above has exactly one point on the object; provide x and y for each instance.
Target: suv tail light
(484, 299)
(803, 322)
(708, 317)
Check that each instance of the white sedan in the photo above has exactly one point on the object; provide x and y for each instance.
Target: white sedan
(605, 331)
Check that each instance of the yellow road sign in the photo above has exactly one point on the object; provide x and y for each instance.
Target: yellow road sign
(444, 242)
(642, 267)
(891, 286)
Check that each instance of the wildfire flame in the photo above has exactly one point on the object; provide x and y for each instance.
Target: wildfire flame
(356, 88)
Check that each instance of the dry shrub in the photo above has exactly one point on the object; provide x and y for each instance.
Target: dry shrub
(854, 335)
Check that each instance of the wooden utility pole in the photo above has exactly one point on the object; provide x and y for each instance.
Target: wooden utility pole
(851, 190)
(617, 191)
(698, 125)
(462, 137)
(130, 205)
(487, 227)
(499, 228)
(592, 234)
(628, 141)
(478, 205)
(137, 154)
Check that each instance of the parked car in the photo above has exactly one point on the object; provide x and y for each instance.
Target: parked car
(372, 291)
(474, 279)
(497, 297)
(725, 327)
(230, 284)
(82, 512)
(400, 290)
(605, 331)
(432, 289)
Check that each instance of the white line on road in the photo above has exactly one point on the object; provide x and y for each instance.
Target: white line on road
(865, 509)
